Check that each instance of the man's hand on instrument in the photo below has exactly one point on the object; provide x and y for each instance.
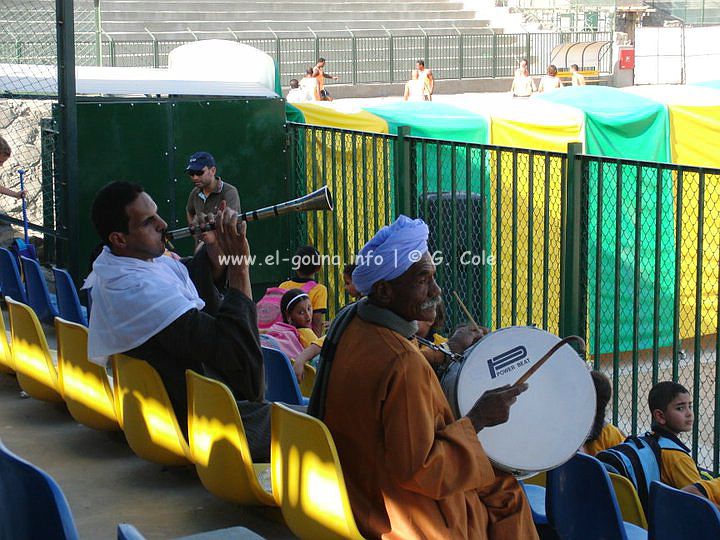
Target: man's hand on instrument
(233, 243)
(465, 336)
(493, 407)
(202, 221)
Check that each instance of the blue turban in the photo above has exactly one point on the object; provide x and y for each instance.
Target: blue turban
(390, 252)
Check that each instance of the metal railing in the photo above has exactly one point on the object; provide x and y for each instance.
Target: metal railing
(623, 253)
(354, 57)
(376, 59)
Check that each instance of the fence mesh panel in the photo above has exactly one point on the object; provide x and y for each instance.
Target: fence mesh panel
(28, 71)
(653, 282)
(358, 169)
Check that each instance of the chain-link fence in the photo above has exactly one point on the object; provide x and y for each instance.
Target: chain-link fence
(495, 224)
(653, 253)
(502, 232)
(29, 86)
(358, 168)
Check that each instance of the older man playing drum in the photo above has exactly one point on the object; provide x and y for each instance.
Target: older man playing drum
(412, 469)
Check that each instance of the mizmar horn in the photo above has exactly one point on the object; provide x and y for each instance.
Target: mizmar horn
(320, 199)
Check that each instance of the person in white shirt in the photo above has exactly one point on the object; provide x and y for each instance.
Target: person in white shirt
(414, 88)
(523, 84)
(550, 81)
(296, 94)
(309, 85)
(578, 79)
(427, 78)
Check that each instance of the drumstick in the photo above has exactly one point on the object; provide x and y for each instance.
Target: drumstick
(467, 313)
(547, 356)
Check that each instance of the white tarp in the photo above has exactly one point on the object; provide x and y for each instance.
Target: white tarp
(227, 60)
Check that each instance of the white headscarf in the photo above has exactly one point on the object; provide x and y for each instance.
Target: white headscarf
(132, 300)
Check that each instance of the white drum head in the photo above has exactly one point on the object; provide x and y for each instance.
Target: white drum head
(549, 421)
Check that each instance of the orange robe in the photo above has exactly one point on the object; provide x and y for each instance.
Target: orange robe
(411, 469)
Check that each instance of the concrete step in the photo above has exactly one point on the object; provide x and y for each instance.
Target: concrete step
(318, 16)
(280, 7)
(167, 31)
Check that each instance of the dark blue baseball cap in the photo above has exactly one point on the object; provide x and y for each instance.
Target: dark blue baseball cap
(199, 160)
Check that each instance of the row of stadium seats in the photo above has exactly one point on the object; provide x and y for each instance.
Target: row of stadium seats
(135, 400)
(173, 19)
(581, 501)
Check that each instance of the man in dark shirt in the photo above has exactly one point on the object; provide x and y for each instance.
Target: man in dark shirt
(147, 305)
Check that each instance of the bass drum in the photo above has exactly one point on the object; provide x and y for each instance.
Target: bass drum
(549, 421)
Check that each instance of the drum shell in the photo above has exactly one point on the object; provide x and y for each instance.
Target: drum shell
(548, 453)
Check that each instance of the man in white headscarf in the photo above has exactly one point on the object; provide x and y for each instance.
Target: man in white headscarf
(147, 305)
(412, 469)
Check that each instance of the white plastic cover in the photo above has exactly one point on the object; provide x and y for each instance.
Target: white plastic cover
(222, 60)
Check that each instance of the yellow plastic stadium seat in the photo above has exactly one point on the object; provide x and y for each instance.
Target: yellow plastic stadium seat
(307, 480)
(84, 385)
(628, 500)
(6, 361)
(33, 361)
(218, 445)
(146, 414)
(308, 381)
(539, 479)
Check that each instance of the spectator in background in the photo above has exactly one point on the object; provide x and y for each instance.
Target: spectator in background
(296, 94)
(426, 76)
(414, 88)
(5, 152)
(523, 84)
(550, 81)
(319, 74)
(578, 79)
(309, 85)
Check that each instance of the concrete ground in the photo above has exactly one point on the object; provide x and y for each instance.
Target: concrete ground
(106, 484)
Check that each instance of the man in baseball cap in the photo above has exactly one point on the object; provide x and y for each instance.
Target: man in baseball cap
(209, 188)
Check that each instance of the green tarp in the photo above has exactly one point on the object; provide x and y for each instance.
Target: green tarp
(434, 120)
(618, 124)
(622, 125)
(709, 84)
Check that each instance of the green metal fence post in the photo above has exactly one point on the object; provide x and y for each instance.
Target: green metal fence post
(65, 27)
(402, 172)
(494, 55)
(391, 57)
(527, 46)
(571, 305)
(98, 34)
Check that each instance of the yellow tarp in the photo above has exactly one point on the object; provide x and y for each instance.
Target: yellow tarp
(327, 115)
(694, 121)
(525, 122)
(694, 137)
(357, 168)
(526, 267)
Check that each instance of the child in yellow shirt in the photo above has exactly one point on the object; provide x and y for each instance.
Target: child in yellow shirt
(308, 262)
(671, 409)
(602, 435)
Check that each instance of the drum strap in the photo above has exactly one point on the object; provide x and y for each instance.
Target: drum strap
(316, 407)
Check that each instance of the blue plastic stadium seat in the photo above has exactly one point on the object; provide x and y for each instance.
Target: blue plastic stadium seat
(581, 503)
(675, 514)
(12, 284)
(536, 498)
(129, 532)
(39, 298)
(32, 505)
(281, 383)
(69, 306)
